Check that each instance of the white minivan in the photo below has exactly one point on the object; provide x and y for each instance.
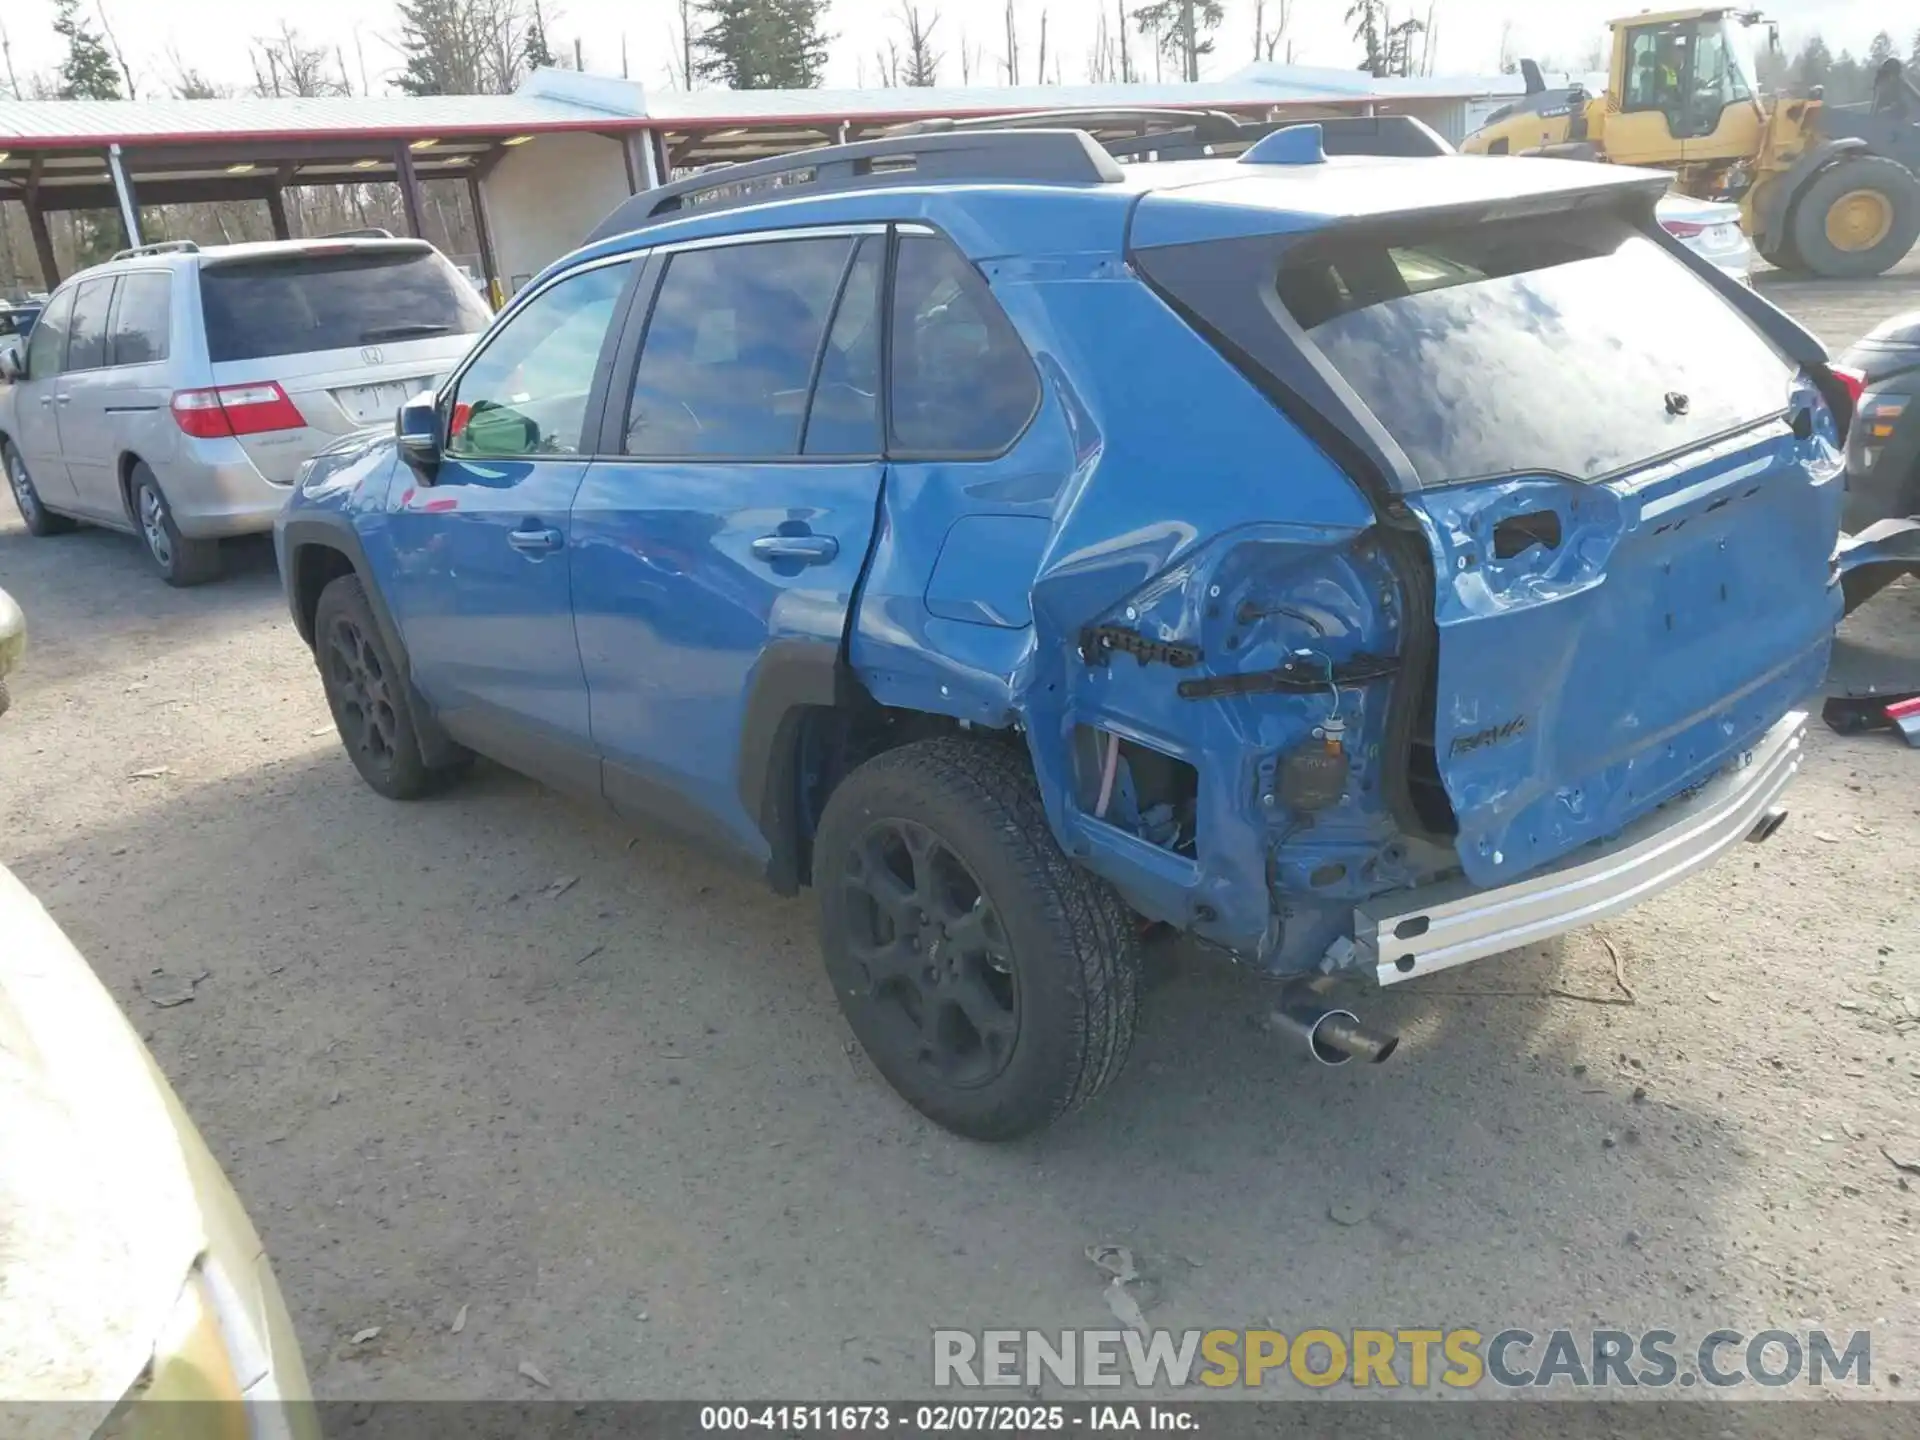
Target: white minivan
(174, 391)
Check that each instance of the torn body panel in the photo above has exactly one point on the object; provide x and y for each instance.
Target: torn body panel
(1159, 488)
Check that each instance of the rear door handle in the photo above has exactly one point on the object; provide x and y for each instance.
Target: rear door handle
(535, 541)
(61, 399)
(809, 549)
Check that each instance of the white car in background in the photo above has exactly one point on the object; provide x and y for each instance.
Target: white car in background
(1711, 229)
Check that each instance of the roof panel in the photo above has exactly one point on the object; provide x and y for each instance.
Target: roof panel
(25, 123)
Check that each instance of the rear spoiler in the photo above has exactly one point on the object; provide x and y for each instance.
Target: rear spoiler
(319, 245)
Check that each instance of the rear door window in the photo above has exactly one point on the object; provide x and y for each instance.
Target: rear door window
(142, 315)
(296, 302)
(1559, 344)
(87, 340)
(729, 351)
(962, 383)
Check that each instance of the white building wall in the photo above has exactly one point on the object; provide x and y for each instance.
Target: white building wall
(544, 196)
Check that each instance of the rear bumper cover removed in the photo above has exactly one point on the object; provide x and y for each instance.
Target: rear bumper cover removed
(1414, 932)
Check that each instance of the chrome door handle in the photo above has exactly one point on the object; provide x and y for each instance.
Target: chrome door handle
(61, 399)
(535, 542)
(808, 549)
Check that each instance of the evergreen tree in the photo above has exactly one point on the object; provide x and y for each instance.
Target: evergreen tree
(88, 72)
(1813, 65)
(534, 49)
(762, 44)
(1183, 29)
(1368, 28)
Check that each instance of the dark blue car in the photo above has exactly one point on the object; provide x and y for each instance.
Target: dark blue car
(1365, 564)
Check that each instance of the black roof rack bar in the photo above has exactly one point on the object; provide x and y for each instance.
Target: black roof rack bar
(363, 232)
(159, 247)
(1048, 157)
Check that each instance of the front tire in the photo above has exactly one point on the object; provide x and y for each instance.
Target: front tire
(182, 561)
(993, 982)
(368, 693)
(39, 520)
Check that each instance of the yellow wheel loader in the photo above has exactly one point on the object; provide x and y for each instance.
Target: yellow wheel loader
(1830, 189)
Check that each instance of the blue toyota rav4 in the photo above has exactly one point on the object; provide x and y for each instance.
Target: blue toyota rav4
(1361, 557)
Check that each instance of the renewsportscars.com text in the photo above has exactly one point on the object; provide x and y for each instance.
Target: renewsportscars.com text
(1417, 1359)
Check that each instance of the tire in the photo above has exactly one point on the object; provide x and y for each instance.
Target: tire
(182, 561)
(1015, 996)
(368, 693)
(39, 520)
(1899, 194)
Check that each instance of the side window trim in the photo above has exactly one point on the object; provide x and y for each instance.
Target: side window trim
(591, 422)
(613, 424)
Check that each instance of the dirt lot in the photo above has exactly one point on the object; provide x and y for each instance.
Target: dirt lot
(488, 1052)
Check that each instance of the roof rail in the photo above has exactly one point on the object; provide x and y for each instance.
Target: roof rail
(1039, 156)
(365, 232)
(159, 247)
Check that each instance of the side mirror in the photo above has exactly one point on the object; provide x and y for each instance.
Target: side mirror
(11, 370)
(416, 430)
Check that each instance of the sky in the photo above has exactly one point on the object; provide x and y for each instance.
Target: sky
(214, 35)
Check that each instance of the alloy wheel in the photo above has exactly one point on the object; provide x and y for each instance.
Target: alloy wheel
(24, 495)
(153, 525)
(363, 701)
(934, 955)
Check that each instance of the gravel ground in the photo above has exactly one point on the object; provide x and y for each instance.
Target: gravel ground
(490, 1053)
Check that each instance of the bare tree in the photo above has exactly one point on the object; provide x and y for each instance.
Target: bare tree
(1010, 58)
(190, 84)
(1042, 76)
(113, 44)
(969, 59)
(285, 64)
(1100, 60)
(684, 33)
(1508, 64)
(921, 67)
(6, 48)
(1267, 39)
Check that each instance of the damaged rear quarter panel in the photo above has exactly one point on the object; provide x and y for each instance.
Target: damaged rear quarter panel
(1168, 486)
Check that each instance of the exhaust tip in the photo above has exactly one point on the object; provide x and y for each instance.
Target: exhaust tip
(1767, 825)
(1320, 1037)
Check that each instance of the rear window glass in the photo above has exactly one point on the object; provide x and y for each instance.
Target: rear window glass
(298, 303)
(1571, 345)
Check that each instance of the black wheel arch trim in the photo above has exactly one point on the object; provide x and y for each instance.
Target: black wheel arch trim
(336, 533)
(793, 677)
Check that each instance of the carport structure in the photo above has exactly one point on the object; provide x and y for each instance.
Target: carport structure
(123, 155)
(545, 164)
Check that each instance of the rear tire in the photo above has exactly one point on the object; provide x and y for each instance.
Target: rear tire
(1858, 218)
(370, 697)
(39, 520)
(182, 561)
(992, 981)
